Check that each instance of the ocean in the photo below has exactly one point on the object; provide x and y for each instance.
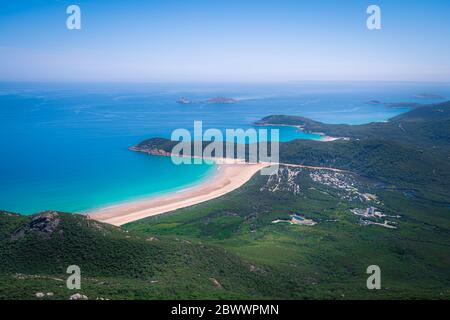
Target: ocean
(65, 146)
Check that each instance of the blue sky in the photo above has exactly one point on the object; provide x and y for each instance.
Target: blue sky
(224, 41)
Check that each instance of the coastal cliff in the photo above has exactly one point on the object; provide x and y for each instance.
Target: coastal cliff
(155, 147)
(151, 151)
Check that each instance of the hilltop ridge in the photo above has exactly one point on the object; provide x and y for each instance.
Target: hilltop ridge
(36, 250)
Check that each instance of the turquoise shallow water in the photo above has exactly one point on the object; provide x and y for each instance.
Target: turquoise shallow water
(292, 133)
(65, 147)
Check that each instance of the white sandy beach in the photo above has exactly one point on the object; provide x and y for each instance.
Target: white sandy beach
(230, 175)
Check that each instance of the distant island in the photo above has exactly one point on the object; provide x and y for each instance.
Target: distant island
(215, 100)
(221, 100)
(428, 96)
(395, 105)
(405, 104)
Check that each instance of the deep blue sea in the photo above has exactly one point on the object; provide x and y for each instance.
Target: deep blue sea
(65, 146)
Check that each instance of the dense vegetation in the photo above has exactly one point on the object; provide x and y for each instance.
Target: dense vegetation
(411, 151)
(328, 260)
(229, 247)
(35, 252)
(405, 161)
(393, 164)
(424, 127)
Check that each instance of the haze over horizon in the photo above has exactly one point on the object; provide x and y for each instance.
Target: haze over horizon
(232, 41)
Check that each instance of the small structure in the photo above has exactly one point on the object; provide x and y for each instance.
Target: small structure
(301, 220)
(370, 212)
(297, 220)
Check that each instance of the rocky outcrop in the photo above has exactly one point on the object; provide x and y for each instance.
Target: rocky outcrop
(151, 151)
(42, 295)
(78, 296)
(216, 283)
(221, 100)
(284, 180)
(9, 214)
(43, 224)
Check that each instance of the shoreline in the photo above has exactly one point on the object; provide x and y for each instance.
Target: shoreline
(230, 175)
(323, 137)
(208, 176)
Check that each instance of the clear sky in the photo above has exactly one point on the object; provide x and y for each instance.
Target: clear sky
(224, 40)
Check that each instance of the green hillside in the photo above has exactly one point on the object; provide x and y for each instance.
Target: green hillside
(393, 164)
(425, 127)
(327, 260)
(36, 251)
(403, 162)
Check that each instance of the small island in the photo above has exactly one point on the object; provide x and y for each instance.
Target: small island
(221, 100)
(215, 100)
(395, 105)
(428, 96)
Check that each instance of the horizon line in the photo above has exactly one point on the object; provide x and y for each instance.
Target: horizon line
(2, 81)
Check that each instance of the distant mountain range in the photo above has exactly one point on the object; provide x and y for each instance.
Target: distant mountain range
(428, 96)
(423, 96)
